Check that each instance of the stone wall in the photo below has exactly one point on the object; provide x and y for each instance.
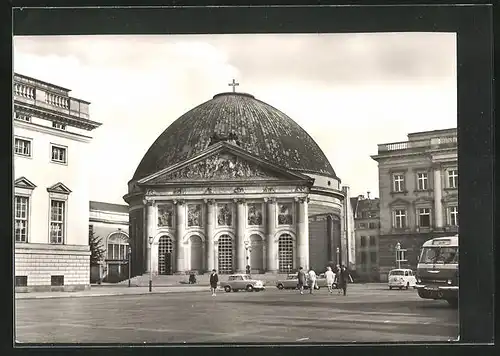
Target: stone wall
(41, 261)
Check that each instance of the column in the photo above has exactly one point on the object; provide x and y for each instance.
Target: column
(240, 235)
(303, 234)
(180, 230)
(150, 232)
(270, 232)
(438, 208)
(209, 234)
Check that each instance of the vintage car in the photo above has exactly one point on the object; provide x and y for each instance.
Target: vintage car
(291, 282)
(402, 278)
(236, 282)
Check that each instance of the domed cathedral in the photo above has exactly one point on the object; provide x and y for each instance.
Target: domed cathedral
(234, 184)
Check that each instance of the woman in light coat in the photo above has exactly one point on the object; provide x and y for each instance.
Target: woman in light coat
(330, 278)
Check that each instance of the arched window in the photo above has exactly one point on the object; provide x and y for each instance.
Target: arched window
(225, 254)
(117, 246)
(285, 253)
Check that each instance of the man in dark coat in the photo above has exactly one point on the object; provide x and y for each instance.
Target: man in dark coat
(301, 280)
(343, 278)
(214, 279)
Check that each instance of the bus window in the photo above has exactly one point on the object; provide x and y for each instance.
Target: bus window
(442, 255)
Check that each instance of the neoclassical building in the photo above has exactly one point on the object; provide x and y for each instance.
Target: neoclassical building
(233, 183)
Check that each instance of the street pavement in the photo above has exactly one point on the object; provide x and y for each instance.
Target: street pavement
(369, 313)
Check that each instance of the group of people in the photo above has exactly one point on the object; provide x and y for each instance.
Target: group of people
(341, 277)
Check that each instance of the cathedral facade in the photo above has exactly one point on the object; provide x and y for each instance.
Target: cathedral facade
(235, 184)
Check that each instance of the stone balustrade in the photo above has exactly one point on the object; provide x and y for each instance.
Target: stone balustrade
(57, 100)
(408, 145)
(24, 91)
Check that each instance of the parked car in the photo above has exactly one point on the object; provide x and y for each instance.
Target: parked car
(236, 282)
(402, 278)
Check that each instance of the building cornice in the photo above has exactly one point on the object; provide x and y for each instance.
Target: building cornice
(52, 131)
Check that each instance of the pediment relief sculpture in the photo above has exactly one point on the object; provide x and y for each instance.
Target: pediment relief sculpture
(219, 167)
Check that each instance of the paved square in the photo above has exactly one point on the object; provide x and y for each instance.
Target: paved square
(369, 313)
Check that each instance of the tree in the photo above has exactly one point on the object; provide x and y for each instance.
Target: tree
(96, 249)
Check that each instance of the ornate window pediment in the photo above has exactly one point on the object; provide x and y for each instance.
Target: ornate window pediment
(399, 202)
(24, 183)
(423, 200)
(59, 188)
(453, 197)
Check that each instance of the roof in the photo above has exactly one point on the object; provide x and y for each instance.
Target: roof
(255, 126)
(116, 208)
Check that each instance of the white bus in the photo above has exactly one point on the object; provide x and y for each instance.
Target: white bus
(437, 270)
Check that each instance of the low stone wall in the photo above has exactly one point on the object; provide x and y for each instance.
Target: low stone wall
(39, 262)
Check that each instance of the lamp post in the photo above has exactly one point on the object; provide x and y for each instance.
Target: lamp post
(398, 258)
(338, 255)
(248, 249)
(129, 263)
(150, 264)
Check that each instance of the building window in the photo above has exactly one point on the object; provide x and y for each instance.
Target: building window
(117, 246)
(57, 215)
(59, 154)
(362, 225)
(372, 225)
(373, 241)
(58, 125)
(363, 257)
(22, 147)
(56, 280)
(422, 181)
(424, 217)
(22, 117)
(400, 219)
(398, 182)
(21, 208)
(21, 281)
(453, 178)
(362, 241)
(453, 215)
(373, 258)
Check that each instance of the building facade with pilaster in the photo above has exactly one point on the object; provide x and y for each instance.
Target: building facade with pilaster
(51, 186)
(234, 184)
(418, 187)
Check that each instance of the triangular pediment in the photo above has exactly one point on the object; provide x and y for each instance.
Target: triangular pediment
(23, 182)
(223, 162)
(59, 188)
(450, 197)
(399, 201)
(423, 200)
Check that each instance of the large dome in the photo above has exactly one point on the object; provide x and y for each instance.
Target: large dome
(260, 129)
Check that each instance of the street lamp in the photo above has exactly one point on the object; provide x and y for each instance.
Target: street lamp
(398, 251)
(129, 263)
(248, 249)
(150, 263)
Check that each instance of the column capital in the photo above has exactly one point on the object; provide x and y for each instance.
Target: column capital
(270, 200)
(179, 201)
(209, 201)
(302, 200)
(239, 201)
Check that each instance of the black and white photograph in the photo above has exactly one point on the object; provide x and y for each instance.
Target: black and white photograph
(312, 179)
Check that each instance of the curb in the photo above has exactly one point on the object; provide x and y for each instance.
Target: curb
(106, 294)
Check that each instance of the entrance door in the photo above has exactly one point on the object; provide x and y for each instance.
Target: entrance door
(256, 254)
(196, 253)
(165, 248)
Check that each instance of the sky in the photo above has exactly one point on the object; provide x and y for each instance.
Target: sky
(350, 92)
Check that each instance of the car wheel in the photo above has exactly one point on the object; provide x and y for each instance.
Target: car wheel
(390, 288)
(407, 286)
(280, 286)
(249, 288)
(227, 289)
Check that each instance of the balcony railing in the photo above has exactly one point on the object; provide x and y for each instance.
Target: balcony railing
(57, 100)
(24, 91)
(434, 142)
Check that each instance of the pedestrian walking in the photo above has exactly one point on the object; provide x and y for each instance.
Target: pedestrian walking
(330, 278)
(311, 280)
(214, 279)
(344, 278)
(301, 280)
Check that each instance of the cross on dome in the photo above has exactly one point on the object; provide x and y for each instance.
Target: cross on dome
(234, 85)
